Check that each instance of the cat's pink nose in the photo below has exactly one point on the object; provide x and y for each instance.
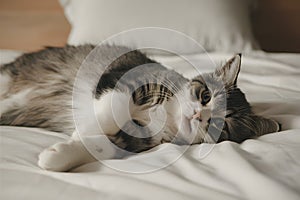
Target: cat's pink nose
(197, 116)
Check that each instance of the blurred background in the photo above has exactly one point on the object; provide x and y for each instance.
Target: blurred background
(31, 24)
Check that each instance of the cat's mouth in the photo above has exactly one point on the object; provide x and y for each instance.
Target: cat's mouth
(187, 125)
(189, 131)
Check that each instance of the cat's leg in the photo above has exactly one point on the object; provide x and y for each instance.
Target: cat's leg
(14, 101)
(64, 156)
(67, 155)
(5, 81)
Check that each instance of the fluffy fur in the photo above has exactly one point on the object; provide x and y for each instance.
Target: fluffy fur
(36, 91)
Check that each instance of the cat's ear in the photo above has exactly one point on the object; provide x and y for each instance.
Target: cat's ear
(230, 71)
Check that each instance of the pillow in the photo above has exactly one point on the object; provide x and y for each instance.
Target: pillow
(217, 25)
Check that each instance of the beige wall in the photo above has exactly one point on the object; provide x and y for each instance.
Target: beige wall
(31, 24)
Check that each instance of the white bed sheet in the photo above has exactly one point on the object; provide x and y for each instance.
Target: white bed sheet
(264, 168)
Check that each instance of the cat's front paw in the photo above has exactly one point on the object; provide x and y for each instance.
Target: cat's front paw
(56, 158)
(64, 156)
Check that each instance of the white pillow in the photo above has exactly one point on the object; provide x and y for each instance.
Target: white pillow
(217, 25)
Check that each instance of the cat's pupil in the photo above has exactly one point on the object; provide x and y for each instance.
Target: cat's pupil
(205, 97)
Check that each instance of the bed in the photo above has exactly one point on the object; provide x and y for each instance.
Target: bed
(264, 168)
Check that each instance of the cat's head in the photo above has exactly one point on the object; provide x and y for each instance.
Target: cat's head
(218, 110)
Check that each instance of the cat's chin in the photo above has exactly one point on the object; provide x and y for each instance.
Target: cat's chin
(188, 131)
(189, 126)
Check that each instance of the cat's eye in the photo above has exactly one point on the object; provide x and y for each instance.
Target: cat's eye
(205, 97)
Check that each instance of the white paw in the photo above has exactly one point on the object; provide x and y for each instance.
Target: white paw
(60, 157)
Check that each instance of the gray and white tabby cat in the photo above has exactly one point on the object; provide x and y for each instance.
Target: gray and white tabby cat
(36, 91)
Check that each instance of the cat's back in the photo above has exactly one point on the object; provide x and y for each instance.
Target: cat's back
(51, 60)
(36, 88)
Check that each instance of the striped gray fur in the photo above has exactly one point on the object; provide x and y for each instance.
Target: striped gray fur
(50, 75)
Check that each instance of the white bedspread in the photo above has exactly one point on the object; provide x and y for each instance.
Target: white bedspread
(265, 168)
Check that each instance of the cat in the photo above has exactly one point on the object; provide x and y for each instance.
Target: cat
(36, 91)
